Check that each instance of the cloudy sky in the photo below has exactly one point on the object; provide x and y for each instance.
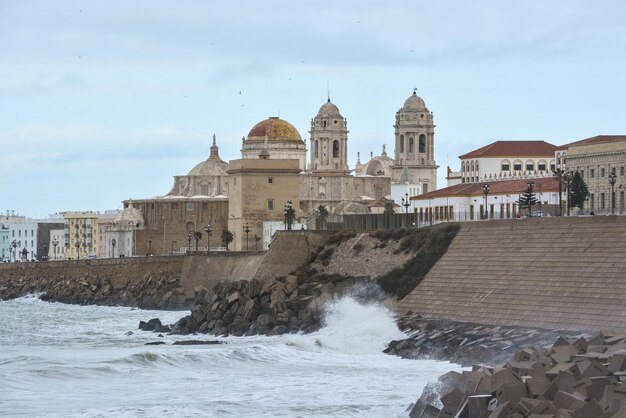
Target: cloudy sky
(102, 101)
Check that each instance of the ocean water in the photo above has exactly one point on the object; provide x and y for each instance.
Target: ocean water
(61, 360)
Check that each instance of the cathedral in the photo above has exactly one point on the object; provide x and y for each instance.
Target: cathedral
(274, 170)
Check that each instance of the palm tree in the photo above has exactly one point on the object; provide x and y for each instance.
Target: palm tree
(227, 238)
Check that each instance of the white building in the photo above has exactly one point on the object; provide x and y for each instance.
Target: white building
(505, 160)
(23, 239)
(466, 201)
(56, 246)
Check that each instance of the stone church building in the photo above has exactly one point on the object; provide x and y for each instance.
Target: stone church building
(280, 173)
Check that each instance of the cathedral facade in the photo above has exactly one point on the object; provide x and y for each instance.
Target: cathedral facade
(326, 179)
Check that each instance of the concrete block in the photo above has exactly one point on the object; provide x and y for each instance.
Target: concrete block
(564, 353)
(613, 398)
(512, 393)
(451, 401)
(503, 377)
(537, 385)
(503, 410)
(477, 405)
(561, 368)
(483, 387)
(617, 362)
(569, 401)
(589, 410)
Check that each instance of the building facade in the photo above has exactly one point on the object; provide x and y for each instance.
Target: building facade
(598, 159)
(80, 235)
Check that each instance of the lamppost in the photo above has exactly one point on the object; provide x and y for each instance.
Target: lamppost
(55, 242)
(486, 193)
(247, 228)
(45, 251)
(530, 186)
(405, 203)
(612, 180)
(288, 215)
(209, 231)
(256, 242)
(77, 249)
(559, 173)
(189, 238)
(149, 246)
(568, 181)
(113, 242)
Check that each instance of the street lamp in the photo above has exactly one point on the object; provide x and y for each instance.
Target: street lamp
(113, 242)
(189, 238)
(77, 249)
(530, 186)
(612, 180)
(288, 215)
(149, 246)
(486, 193)
(247, 228)
(55, 242)
(209, 231)
(45, 251)
(405, 203)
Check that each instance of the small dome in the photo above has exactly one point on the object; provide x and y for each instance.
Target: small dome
(130, 215)
(210, 167)
(350, 208)
(329, 109)
(414, 102)
(275, 129)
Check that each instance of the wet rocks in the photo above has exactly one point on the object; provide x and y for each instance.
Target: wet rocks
(271, 307)
(582, 378)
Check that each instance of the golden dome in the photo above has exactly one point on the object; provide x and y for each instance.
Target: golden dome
(275, 129)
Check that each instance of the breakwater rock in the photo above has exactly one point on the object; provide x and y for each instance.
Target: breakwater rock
(466, 343)
(270, 307)
(582, 378)
(153, 291)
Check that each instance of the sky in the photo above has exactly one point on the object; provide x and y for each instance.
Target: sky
(106, 101)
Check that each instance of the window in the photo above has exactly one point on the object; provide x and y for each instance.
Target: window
(552, 168)
(270, 204)
(517, 166)
(174, 205)
(425, 188)
(422, 143)
(270, 180)
(335, 149)
(621, 201)
(582, 173)
(19, 232)
(316, 149)
(592, 173)
(189, 206)
(621, 171)
(506, 166)
(204, 189)
(602, 172)
(541, 166)
(601, 200)
(411, 145)
(401, 143)
(613, 170)
(530, 166)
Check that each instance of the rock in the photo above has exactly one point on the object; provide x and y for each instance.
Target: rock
(152, 325)
(266, 320)
(155, 343)
(239, 327)
(197, 342)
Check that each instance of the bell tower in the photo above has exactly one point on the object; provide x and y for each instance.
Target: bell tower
(329, 141)
(414, 156)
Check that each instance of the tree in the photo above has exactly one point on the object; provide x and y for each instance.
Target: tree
(197, 236)
(527, 200)
(389, 207)
(560, 174)
(322, 211)
(578, 191)
(227, 238)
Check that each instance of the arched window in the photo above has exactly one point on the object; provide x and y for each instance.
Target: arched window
(204, 189)
(530, 165)
(316, 150)
(411, 145)
(401, 143)
(517, 165)
(422, 143)
(542, 165)
(558, 160)
(477, 166)
(324, 124)
(505, 165)
(335, 149)
(462, 166)
(472, 165)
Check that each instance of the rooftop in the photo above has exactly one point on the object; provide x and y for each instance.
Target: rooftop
(543, 184)
(513, 149)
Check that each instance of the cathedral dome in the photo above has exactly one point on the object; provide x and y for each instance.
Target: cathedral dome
(274, 129)
(329, 109)
(414, 102)
(210, 167)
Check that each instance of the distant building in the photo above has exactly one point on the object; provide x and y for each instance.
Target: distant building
(121, 235)
(81, 235)
(505, 160)
(105, 222)
(466, 201)
(56, 248)
(596, 158)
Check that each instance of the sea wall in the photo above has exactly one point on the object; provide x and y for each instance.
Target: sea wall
(549, 273)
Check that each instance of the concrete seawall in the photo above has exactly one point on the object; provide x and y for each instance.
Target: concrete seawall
(550, 272)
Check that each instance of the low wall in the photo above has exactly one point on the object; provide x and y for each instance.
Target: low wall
(208, 270)
(548, 272)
